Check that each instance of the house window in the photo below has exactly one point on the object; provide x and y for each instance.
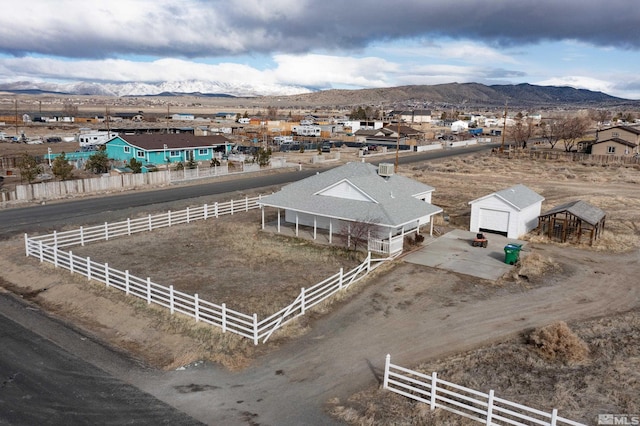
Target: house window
(127, 149)
(615, 134)
(140, 154)
(203, 151)
(611, 150)
(174, 153)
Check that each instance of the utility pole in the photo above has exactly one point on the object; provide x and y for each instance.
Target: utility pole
(504, 127)
(395, 166)
(15, 103)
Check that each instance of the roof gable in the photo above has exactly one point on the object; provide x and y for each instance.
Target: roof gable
(345, 189)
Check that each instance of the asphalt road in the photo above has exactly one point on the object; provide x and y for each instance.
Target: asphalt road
(46, 217)
(43, 384)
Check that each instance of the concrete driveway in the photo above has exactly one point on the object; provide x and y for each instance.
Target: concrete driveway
(453, 252)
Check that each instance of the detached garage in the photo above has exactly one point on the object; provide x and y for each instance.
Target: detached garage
(511, 212)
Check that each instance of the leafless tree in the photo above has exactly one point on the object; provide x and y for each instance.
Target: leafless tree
(573, 129)
(69, 109)
(599, 116)
(522, 131)
(356, 234)
(551, 131)
(272, 113)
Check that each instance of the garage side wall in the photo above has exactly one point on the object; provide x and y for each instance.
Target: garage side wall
(528, 219)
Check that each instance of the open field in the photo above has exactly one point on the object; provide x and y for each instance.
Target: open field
(225, 260)
(400, 305)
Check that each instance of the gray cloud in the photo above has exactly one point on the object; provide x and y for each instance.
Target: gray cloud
(200, 28)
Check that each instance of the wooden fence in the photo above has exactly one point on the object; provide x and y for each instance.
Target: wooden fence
(479, 406)
(47, 248)
(578, 157)
(60, 189)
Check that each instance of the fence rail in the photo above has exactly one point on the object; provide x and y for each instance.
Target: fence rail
(85, 235)
(48, 248)
(479, 406)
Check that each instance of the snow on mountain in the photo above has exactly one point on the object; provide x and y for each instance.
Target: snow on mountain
(147, 89)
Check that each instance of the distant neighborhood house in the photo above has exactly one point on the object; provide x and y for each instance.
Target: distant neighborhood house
(619, 141)
(165, 149)
(413, 116)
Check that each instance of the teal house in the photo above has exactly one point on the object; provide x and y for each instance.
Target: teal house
(161, 149)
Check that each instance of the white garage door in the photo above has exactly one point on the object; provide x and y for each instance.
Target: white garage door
(494, 220)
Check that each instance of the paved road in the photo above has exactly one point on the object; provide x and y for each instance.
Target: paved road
(43, 384)
(94, 210)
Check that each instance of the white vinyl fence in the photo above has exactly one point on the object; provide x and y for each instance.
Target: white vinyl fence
(47, 248)
(482, 407)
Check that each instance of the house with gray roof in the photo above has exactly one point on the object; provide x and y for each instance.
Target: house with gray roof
(341, 199)
(511, 212)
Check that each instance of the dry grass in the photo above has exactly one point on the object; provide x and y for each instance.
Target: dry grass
(521, 372)
(556, 342)
(225, 260)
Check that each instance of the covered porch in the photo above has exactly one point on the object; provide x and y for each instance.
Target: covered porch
(376, 237)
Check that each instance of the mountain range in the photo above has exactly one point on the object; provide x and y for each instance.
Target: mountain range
(461, 95)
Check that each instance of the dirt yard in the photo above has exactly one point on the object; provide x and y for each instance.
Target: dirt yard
(399, 295)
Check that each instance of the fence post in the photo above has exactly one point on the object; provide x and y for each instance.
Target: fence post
(169, 217)
(106, 231)
(55, 238)
(150, 227)
(82, 236)
(148, 290)
(341, 278)
(231, 204)
(171, 299)
(71, 261)
(195, 307)
(187, 214)
(302, 300)
(224, 317)
(246, 203)
(554, 417)
(88, 268)
(216, 209)
(434, 380)
(26, 244)
(387, 361)
(40, 253)
(128, 226)
(106, 274)
(55, 256)
(126, 282)
(205, 210)
(490, 408)
(255, 329)
(369, 262)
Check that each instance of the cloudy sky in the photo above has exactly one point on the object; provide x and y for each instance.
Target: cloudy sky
(310, 44)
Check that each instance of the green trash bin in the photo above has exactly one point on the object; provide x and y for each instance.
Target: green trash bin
(512, 253)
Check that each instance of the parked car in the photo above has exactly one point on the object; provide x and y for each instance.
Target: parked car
(326, 147)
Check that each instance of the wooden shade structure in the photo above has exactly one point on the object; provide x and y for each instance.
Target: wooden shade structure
(568, 222)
